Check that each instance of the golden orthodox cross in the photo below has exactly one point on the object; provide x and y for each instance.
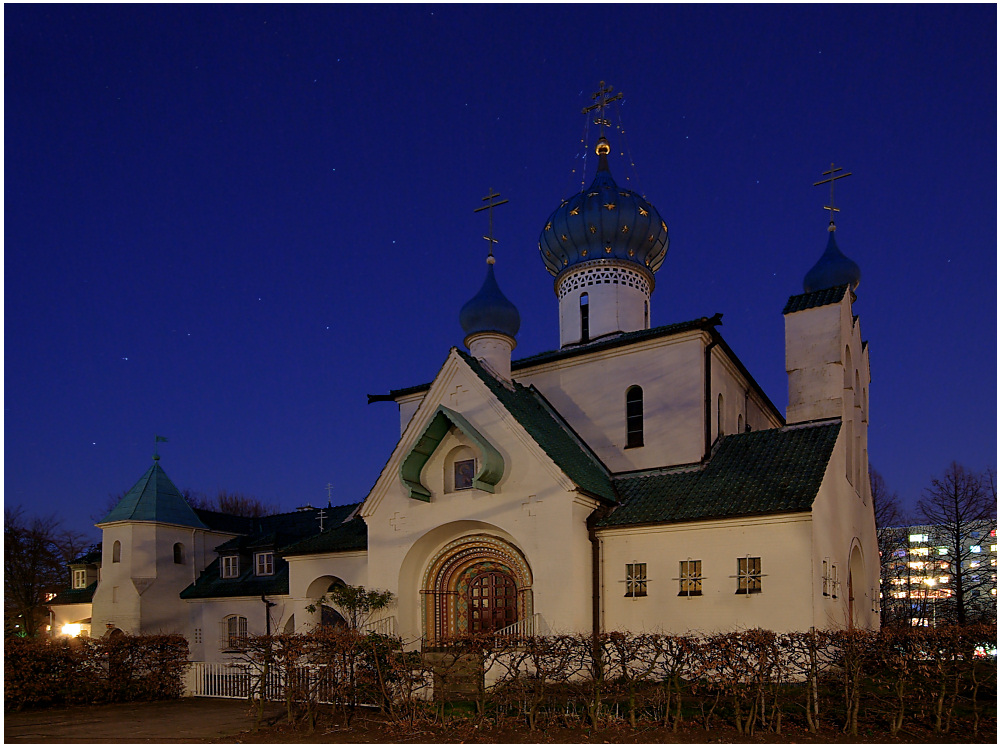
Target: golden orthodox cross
(603, 97)
(490, 206)
(831, 177)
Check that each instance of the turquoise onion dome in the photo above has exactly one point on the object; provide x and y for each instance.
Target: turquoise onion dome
(833, 269)
(603, 222)
(489, 310)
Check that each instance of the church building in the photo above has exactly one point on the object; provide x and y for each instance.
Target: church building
(635, 479)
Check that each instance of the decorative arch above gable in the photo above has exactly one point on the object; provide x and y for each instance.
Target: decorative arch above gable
(491, 468)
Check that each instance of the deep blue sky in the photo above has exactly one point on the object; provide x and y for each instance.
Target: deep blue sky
(228, 224)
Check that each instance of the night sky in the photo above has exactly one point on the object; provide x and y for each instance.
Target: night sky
(227, 225)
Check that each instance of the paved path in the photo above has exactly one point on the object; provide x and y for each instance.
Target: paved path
(183, 721)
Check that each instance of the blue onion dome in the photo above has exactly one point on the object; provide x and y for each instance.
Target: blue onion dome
(489, 310)
(604, 221)
(833, 269)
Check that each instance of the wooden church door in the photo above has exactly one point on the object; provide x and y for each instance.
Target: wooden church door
(492, 602)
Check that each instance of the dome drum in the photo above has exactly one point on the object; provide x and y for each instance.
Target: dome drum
(598, 272)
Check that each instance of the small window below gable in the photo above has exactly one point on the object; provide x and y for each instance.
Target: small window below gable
(460, 469)
(633, 417)
(79, 579)
(230, 567)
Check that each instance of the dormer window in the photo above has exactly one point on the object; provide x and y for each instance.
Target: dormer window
(79, 579)
(230, 567)
(264, 563)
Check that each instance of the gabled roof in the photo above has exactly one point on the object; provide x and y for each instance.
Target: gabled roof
(549, 431)
(154, 499)
(763, 472)
(604, 343)
(278, 530)
(90, 556)
(73, 596)
(815, 298)
(349, 536)
(247, 584)
(617, 340)
(227, 523)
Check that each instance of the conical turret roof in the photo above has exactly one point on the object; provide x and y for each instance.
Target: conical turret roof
(154, 498)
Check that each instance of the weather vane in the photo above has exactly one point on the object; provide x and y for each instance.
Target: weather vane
(602, 98)
(490, 206)
(831, 177)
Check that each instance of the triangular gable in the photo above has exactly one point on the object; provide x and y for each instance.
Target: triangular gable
(492, 464)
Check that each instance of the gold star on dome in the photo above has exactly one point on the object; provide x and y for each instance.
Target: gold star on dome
(564, 237)
(583, 253)
(650, 239)
(548, 226)
(609, 206)
(664, 225)
(625, 229)
(607, 248)
(593, 229)
(643, 212)
(575, 211)
(565, 262)
(631, 253)
(623, 193)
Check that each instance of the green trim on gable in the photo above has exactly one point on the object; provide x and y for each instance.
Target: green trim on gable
(491, 467)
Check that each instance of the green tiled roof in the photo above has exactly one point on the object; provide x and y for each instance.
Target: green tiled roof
(549, 431)
(350, 536)
(247, 584)
(763, 472)
(814, 299)
(154, 499)
(71, 596)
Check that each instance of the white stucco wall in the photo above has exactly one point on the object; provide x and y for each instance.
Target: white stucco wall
(782, 542)
(140, 594)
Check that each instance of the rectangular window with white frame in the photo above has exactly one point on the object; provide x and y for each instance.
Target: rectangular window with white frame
(748, 575)
(230, 567)
(264, 563)
(635, 580)
(690, 578)
(79, 579)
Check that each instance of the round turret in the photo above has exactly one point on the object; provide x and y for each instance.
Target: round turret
(604, 222)
(833, 269)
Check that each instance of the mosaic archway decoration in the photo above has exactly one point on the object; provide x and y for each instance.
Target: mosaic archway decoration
(476, 583)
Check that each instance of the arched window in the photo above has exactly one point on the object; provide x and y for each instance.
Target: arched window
(720, 429)
(848, 368)
(234, 632)
(849, 446)
(633, 417)
(584, 317)
(739, 424)
(857, 389)
(178, 553)
(116, 552)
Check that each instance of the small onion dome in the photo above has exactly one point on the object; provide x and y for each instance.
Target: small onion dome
(604, 221)
(833, 269)
(489, 310)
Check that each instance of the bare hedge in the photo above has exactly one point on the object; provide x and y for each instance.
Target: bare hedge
(941, 679)
(39, 672)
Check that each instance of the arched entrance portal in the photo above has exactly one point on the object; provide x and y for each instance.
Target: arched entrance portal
(475, 584)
